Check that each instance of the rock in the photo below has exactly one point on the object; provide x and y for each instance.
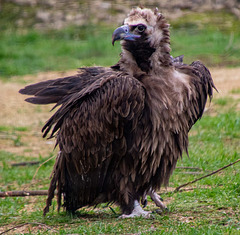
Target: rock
(43, 16)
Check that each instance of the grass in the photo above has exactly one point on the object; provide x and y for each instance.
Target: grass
(210, 206)
(213, 38)
(32, 52)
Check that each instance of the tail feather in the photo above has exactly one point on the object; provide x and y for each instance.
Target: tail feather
(53, 185)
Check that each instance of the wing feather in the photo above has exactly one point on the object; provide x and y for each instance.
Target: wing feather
(202, 86)
(59, 90)
(92, 117)
(101, 125)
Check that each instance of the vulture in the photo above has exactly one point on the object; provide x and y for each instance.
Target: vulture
(121, 129)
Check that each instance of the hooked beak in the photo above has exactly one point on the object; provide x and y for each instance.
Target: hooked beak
(122, 33)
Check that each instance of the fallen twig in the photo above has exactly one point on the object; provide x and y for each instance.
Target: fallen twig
(181, 190)
(24, 193)
(41, 165)
(212, 173)
(25, 163)
(33, 223)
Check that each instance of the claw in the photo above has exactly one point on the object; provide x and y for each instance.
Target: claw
(144, 201)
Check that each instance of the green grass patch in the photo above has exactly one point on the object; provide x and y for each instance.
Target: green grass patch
(15, 177)
(31, 52)
(221, 101)
(236, 91)
(13, 133)
(211, 37)
(14, 128)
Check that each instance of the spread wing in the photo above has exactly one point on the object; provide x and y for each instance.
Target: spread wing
(59, 90)
(94, 123)
(202, 86)
(96, 112)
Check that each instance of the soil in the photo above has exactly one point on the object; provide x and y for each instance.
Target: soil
(15, 113)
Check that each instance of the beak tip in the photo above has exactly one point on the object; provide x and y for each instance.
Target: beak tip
(118, 34)
(122, 33)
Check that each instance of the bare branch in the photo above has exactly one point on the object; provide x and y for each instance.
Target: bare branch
(31, 223)
(24, 193)
(25, 163)
(212, 173)
(41, 166)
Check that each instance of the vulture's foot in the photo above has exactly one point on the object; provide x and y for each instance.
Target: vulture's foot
(137, 212)
(156, 198)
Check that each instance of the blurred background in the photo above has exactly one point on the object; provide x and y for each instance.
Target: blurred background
(51, 35)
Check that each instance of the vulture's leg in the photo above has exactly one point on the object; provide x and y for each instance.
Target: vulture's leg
(155, 197)
(158, 200)
(137, 212)
(144, 200)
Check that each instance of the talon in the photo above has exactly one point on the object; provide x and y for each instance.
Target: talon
(144, 200)
(144, 203)
(166, 210)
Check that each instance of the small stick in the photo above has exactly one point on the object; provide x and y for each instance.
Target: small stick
(181, 190)
(41, 166)
(212, 173)
(33, 223)
(24, 193)
(112, 210)
(25, 163)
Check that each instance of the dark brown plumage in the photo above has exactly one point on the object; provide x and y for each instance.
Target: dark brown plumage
(121, 130)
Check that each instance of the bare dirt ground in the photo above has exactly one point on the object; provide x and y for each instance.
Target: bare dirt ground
(15, 112)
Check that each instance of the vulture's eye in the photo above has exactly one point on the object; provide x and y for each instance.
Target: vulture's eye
(140, 28)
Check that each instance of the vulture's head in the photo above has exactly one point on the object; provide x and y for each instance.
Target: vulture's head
(145, 38)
